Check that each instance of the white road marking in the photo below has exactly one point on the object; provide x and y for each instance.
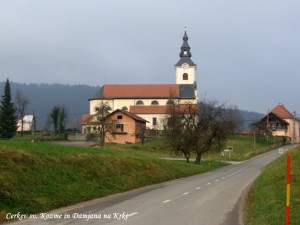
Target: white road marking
(132, 214)
(208, 184)
(223, 177)
(167, 201)
(185, 193)
(217, 180)
(198, 188)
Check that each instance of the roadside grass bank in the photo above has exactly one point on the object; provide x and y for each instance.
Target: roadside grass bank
(37, 177)
(265, 204)
(244, 147)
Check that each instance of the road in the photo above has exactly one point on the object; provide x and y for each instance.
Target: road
(207, 199)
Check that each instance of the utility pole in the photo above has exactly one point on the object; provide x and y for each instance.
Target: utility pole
(268, 125)
(294, 129)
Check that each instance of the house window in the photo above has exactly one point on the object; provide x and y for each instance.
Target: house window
(185, 76)
(154, 121)
(154, 102)
(124, 108)
(139, 102)
(119, 117)
(120, 127)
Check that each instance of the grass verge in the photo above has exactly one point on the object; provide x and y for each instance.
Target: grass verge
(36, 177)
(267, 198)
(244, 148)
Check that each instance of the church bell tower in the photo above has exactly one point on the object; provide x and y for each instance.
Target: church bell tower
(185, 68)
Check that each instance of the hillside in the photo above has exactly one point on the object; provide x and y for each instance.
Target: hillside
(43, 97)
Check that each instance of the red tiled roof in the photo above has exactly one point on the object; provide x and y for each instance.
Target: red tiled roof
(282, 112)
(148, 109)
(130, 114)
(85, 118)
(140, 90)
(158, 109)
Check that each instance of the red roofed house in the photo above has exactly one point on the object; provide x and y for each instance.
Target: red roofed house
(123, 126)
(149, 101)
(283, 123)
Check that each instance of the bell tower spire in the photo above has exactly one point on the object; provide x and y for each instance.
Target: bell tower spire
(185, 52)
(185, 67)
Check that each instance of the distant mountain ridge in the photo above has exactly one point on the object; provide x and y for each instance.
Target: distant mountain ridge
(43, 97)
(74, 98)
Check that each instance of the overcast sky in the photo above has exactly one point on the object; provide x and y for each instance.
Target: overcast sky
(247, 51)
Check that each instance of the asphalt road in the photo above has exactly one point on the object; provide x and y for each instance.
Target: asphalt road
(212, 198)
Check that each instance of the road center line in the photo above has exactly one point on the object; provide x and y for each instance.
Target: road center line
(185, 193)
(168, 200)
(208, 184)
(198, 188)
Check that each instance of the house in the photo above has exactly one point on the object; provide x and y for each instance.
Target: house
(149, 101)
(27, 123)
(121, 126)
(282, 123)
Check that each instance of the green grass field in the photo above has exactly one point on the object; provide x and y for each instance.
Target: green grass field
(267, 199)
(36, 177)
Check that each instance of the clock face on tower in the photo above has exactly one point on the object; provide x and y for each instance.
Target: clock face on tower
(185, 65)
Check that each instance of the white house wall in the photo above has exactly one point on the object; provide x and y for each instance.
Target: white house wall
(191, 75)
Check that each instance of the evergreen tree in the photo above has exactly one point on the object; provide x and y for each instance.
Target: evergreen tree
(8, 118)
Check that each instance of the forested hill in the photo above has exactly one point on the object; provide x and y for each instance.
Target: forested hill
(43, 97)
(74, 98)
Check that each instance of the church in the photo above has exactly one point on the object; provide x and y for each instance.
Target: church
(149, 101)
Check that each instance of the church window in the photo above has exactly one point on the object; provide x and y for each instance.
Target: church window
(154, 102)
(170, 102)
(154, 121)
(185, 76)
(124, 108)
(139, 102)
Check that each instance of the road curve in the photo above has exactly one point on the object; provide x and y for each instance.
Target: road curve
(206, 199)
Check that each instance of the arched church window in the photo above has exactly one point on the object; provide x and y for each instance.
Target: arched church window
(124, 108)
(139, 102)
(185, 76)
(154, 102)
(170, 102)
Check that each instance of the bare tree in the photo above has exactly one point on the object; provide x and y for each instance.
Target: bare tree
(104, 127)
(215, 123)
(260, 128)
(142, 132)
(21, 104)
(200, 128)
(176, 130)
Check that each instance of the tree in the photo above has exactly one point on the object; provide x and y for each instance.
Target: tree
(200, 128)
(21, 104)
(215, 122)
(104, 127)
(260, 128)
(8, 118)
(176, 130)
(58, 117)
